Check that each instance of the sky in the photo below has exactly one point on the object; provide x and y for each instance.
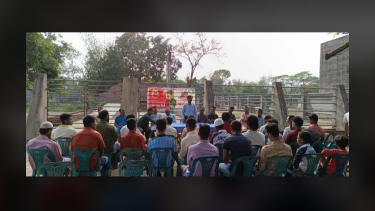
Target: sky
(248, 56)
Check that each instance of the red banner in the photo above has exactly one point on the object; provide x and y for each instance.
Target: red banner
(164, 98)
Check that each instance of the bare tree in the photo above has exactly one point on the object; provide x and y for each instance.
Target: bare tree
(194, 50)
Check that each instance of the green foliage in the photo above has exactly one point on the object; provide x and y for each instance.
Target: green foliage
(301, 82)
(220, 77)
(132, 54)
(44, 54)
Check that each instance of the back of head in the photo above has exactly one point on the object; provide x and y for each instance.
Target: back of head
(272, 120)
(225, 116)
(342, 141)
(64, 117)
(169, 120)
(236, 126)
(130, 116)
(298, 121)
(45, 127)
(161, 124)
(191, 123)
(130, 123)
(305, 135)
(314, 117)
(291, 117)
(252, 122)
(219, 124)
(103, 114)
(273, 128)
(204, 131)
(88, 120)
(267, 117)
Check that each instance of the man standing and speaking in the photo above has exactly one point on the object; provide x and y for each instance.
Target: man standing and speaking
(188, 109)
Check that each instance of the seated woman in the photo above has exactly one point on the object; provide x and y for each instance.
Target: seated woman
(341, 143)
(299, 162)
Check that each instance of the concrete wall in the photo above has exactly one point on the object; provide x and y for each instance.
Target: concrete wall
(335, 70)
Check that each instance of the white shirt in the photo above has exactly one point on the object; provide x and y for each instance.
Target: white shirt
(170, 131)
(256, 137)
(346, 118)
(63, 131)
(190, 139)
(124, 130)
(286, 131)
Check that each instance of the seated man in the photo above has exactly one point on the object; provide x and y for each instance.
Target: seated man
(120, 121)
(299, 164)
(143, 123)
(212, 116)
(89, 138)
(314, 127)
(221, 134)
(237, 144)
(191, 137)
(161, 141)
(257, 138)
(155, 116)
(109, 136)
(65, 129)
(171, 131)
(202, 118)
(297, 123)
(201, 149)
(277, 148)
(132, 139)
(184, 131)
(341, 142)
(169, 114)
(43, 141)
(124, 130)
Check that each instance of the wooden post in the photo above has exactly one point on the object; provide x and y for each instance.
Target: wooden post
(208, 95)
(130, 95)
(38, 106)
(280, 109)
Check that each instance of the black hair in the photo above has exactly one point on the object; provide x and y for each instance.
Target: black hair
(169, 120)
(161, 124)
(130, 116)
(103, 114)
(204, 131)
(225, 116)
(130, 123)
(342, 141)
(314, 117)
(305, 135)
(191, 123)
(88, 120)
(267, 117)
(273, 128)
(220, 127)
(64, 117)
(260, 110)
(149, 109)
(298, 121)
(44, 131)
(236, 126)
(272, 120)
(253, 122)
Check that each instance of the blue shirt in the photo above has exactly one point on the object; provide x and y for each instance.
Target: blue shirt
(188, 110)
(155, 117)
(172, 116)
(260, 121)
(120, 120)
(161, 141)
(238, 145)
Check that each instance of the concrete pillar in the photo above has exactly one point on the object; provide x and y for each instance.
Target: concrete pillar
(279, 106)
(38, 106)
(208, 95)
(341, 105)
(130, 95)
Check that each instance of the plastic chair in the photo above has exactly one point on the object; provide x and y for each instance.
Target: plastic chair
(255, 149)
(132, 153)
(249, 163)
(162, 155)
(134, 168)
(341, 165)
(64, 143)
(83, 156)
(318, 146)
(207, 163)
(56, 169)
(281, 164)
(312, 165)
(38, 157)
(220, 158)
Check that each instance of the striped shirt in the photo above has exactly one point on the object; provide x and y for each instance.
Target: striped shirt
(161, 141)
(219, 137)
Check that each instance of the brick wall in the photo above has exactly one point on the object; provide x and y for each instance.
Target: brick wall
(336, 69)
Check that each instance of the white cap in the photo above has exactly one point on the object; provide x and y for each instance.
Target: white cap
(218, 122)
(46, 125)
